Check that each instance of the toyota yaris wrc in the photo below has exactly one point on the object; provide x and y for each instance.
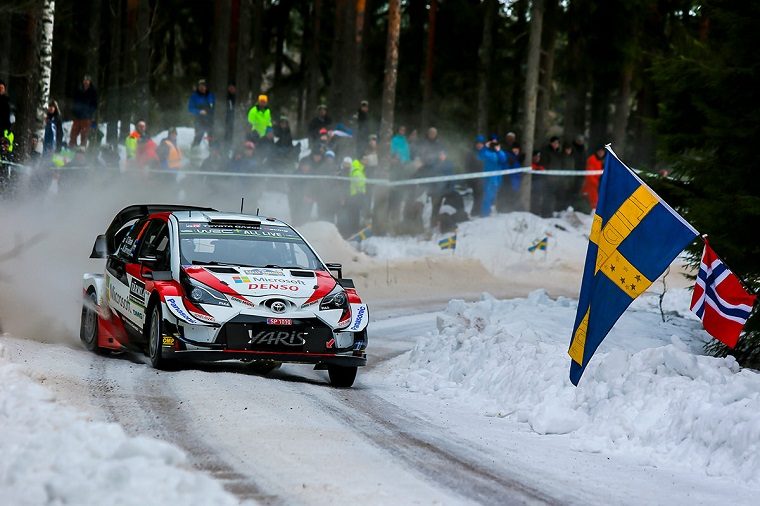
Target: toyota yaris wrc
(188, 282)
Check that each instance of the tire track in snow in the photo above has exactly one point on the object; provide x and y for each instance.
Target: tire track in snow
(148, 405)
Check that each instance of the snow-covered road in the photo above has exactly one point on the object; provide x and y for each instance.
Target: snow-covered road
(289, 438)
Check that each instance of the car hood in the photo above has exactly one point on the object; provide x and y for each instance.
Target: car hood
(304, 285)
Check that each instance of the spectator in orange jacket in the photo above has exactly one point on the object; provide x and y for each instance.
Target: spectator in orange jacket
(590, 188)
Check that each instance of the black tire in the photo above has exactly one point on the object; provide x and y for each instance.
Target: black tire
(341, 377)
(88, 326)
(155, 341)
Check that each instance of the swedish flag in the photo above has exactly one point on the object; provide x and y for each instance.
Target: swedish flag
(448, 243)
(540, 245)
(362, 234)
(634, 237)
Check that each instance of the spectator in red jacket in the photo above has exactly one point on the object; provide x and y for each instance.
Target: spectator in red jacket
(590, 188)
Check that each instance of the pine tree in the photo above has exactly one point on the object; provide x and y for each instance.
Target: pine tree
(708, 128)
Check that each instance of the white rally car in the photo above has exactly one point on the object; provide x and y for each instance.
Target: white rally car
(189, 282)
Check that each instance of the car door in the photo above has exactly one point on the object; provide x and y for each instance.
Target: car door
(152, 256)
(117, 279)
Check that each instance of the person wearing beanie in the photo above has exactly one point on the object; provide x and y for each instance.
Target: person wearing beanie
(473, 163)
(318, 122)
(201, 106)
(84, 106)
(260, 116)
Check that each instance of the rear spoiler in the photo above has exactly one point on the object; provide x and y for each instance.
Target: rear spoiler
(105, 243)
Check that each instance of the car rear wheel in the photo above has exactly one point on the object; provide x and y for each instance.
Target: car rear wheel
(88, 327)
(155, 341)
(341, 377)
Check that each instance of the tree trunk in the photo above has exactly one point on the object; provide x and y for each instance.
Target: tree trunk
(113, 68)
(5, 42)
(391, 74)
(600, 114)
(531, 94)
(220, 46)
(546, 78)
(143, 58)
(312, 54)
(243, 65)
(257, 69)
(427, 83)
(337, 71)
(360, 80)
(485, 58)
(92, 53)
(27, 114)
(46, 51)
(61, 50)
(622, 109)
(282, 21)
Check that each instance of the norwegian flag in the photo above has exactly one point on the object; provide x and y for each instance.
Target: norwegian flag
(719, 299)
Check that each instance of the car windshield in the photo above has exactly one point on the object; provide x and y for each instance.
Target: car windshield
(245, 245)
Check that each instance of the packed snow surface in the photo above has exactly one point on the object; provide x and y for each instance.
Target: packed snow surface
(648, 391)
(52, 454)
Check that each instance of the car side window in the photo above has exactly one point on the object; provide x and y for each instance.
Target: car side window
(128, 247)
(155, 243)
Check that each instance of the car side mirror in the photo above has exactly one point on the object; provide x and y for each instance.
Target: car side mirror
(346, 283)
(338, 268)
(100, 248)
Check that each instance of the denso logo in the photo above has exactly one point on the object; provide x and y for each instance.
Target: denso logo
(359, 317)
(274, 338)
(272, 286)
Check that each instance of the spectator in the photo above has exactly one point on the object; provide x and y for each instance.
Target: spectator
(5, 110)
(473, 163)
(284, 143)
(510, 139)
(515, 159)
(551, 158)
(579, 164)
(260, 117)
(442, 167)
(590, 188)
(538, 188)
(265, 149)
(493, 160)
(215, 160)
(319, 122)
(201, 106)
(85, 104)
(430, 147)
(34, 155)
(141, 150)
(229, 113)
(52, 141)
(400, 146)
(301, 197)
(244, 159)
(357, 195)
(169, 154)
(362, 128)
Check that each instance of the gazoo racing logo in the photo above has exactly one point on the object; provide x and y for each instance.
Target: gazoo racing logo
(277, 337)
(359, 317)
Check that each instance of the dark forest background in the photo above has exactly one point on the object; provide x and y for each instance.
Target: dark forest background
(670, 83)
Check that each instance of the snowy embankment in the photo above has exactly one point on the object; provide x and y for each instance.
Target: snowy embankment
(52, 454)
(648, 392)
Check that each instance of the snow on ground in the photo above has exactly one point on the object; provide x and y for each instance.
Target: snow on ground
(648, 392)
(52, 454)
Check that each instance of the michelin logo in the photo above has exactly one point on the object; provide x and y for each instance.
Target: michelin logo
(359, 318)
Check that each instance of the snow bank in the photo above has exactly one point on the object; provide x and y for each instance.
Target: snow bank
(499, 242)
(53, 455)
(647, 392)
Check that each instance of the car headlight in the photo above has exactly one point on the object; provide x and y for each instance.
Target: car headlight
(199, 293)
(337, 299)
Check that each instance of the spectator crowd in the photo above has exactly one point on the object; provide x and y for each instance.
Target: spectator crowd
(347, 148)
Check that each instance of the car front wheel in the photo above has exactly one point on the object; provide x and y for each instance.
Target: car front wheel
(155, 341)
(341, 377)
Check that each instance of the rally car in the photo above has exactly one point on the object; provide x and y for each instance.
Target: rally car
(186, 282)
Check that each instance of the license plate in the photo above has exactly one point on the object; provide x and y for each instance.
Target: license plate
(279, 321)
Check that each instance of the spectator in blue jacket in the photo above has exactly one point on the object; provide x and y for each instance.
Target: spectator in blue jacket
(201, 105)
(493, 159)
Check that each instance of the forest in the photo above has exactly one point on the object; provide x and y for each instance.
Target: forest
(670, 83)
